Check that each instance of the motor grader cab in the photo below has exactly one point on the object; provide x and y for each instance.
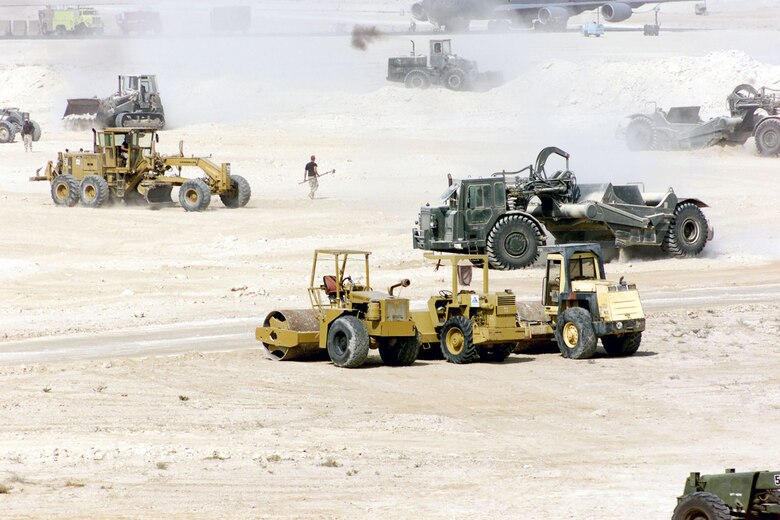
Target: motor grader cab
(471, 325)
(728, 495)
(584, 306)
(124, 164)
(346, 318)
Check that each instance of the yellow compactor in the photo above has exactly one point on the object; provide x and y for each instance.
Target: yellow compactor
(346, 318)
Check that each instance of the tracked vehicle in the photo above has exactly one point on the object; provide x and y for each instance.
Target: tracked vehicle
(346, 318)
(124, 164)
(753, 113)
(730, 496)
(508, 215)
(135, 104)
(440, 68)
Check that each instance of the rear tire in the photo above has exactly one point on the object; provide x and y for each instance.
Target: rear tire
(93, 191)
(7, 132)
(623, 345)
(701, 506)
(457, 341)
(194, 195)
(65, 190)
(417, 79)
(575, 335)
(768, 137)
(239, 194)
(513, 243)
(347, 342)
(640, 134)
(399, 352)
(687, 234)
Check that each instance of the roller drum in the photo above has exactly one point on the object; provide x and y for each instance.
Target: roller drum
(299, 320)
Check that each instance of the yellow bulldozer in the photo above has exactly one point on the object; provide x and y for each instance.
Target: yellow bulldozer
(124, 164)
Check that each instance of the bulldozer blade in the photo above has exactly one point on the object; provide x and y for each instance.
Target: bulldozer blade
(304, 326)
(82, 108)
(159, 195)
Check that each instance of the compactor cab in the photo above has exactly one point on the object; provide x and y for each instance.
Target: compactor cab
(584, 306)
(347, 318)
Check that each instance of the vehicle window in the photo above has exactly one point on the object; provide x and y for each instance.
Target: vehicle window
(553, 282)
(480, 196)
(446, 48)
(582, 269)
(499, 195)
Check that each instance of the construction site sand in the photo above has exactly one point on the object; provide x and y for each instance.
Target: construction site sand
(116, 404)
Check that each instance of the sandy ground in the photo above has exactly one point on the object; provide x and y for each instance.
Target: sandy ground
(134, 387)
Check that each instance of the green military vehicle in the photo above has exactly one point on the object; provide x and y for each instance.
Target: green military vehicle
(729, 496)
(62, 21)
(11, 122)
(507, 216)
(346, 318)
(124, 164)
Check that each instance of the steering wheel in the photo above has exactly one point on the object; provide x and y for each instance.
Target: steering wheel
(347, 283)
(444, 293)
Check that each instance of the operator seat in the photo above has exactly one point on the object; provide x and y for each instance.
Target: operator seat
(330, 286)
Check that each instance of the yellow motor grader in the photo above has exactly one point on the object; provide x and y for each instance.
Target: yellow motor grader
(124, 164)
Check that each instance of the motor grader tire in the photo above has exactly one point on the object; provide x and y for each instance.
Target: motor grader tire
(513, 243)
(7, 132)
(417, 79)
(455, 79)
(457, 341)
(239, 193)
(687, 234)
(496, 353)
(36, 131)
(640, 134)
(65, 190)
(93, 191)
(701, 506)
(623, 345)
(194, 195)
(768, 137)
(399, 352)
(575, 335)
(348, 342)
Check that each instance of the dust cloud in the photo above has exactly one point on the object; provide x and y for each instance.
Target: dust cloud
(363, 35)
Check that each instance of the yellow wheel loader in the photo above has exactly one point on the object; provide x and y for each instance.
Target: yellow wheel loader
(124, 164)
(346, 318)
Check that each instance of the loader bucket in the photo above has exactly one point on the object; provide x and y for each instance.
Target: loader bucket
(82, 108)
(159, 195)
(291, 334)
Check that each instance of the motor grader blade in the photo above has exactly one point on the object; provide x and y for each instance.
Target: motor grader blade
(159, 195)
(291, 334)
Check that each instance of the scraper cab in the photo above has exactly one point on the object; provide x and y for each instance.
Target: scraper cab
(124, 164)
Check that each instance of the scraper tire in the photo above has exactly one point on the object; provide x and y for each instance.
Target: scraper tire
(687, 234)
(513, 243)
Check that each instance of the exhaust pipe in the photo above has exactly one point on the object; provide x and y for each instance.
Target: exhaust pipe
(403, 283)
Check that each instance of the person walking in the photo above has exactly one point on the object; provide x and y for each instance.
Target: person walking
(311, 173)
(27, 135)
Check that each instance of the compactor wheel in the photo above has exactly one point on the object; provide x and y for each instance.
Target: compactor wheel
(65, 190)
(194, 195)
(623, 345)
(687, 234)
(701, 506)
(93, 191)
(575, 335)
(768, 137)
(417, 79)
(455, 79)
(399, 352)
(239, 193)
(7, 132)
(457, 341)
(497, 353)
(513, 243)
(641, 134)
(348, 342)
